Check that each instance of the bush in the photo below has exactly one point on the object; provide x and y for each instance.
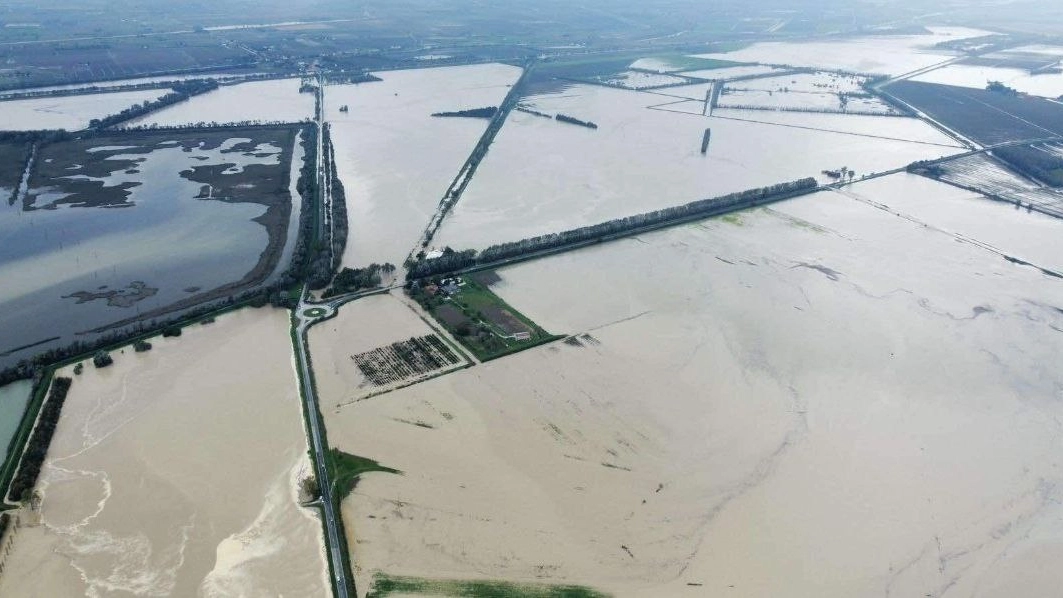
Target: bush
(141, 346)
(171, 331)
(102, 359)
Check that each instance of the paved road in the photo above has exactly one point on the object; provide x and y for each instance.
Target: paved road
(334, 540)
(333, 526)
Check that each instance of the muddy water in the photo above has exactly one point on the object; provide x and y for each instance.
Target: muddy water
(395, 160)
(174, 473)
(817, 399)
(542, 176)
(71, 113)
(276, 100)
(298, 155)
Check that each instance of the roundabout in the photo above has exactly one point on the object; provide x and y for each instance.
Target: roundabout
(315, 312)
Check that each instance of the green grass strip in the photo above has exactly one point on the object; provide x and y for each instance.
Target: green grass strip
(345, 470)
(387, 585)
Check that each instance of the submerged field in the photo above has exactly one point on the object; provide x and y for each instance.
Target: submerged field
(881, 54)
(543, 176)
(271, 101)
(850, 393)
(821, 378)
(985, 175)
(977, 76)
(72, 112)
(366, 350)
(174, 473)
(395, 159)
(137, 225)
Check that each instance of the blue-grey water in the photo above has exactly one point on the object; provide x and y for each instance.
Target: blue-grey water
(166, 239)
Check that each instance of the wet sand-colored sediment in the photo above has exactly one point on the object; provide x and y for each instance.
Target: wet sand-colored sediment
(174, 473)
(817, 399)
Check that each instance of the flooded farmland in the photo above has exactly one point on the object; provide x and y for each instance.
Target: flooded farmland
(367, 325)
(986, 175)
(271, 101)
(72, 113)
(711, 426)
(395, 159)
(542, 176)
(964, 75)
(881, 54)
(174, 473)
(105, 233)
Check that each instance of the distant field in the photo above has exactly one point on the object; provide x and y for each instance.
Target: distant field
(984, 116)
(91, 60)
(990, 117)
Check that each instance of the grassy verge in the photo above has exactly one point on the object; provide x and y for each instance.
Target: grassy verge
(386, 585)
(345, 470)
(485, 324)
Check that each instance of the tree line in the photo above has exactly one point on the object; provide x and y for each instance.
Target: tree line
(1034, 163)
(452, 261)
(182, 91)
(98, 89)
(37, 447)
(352, 280)
(487, 112)
(527, 110)
(330, 251)
(575, 121)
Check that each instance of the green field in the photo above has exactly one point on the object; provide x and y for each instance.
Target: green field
(345, 470)
(386, 585)
(481, 320)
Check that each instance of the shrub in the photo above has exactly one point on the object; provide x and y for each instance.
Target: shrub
(102, 359)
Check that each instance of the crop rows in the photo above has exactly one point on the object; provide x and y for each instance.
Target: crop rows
(405, 359)
(986, 176)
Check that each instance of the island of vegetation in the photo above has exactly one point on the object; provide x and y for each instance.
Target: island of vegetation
(352, 280)
(477, 317)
